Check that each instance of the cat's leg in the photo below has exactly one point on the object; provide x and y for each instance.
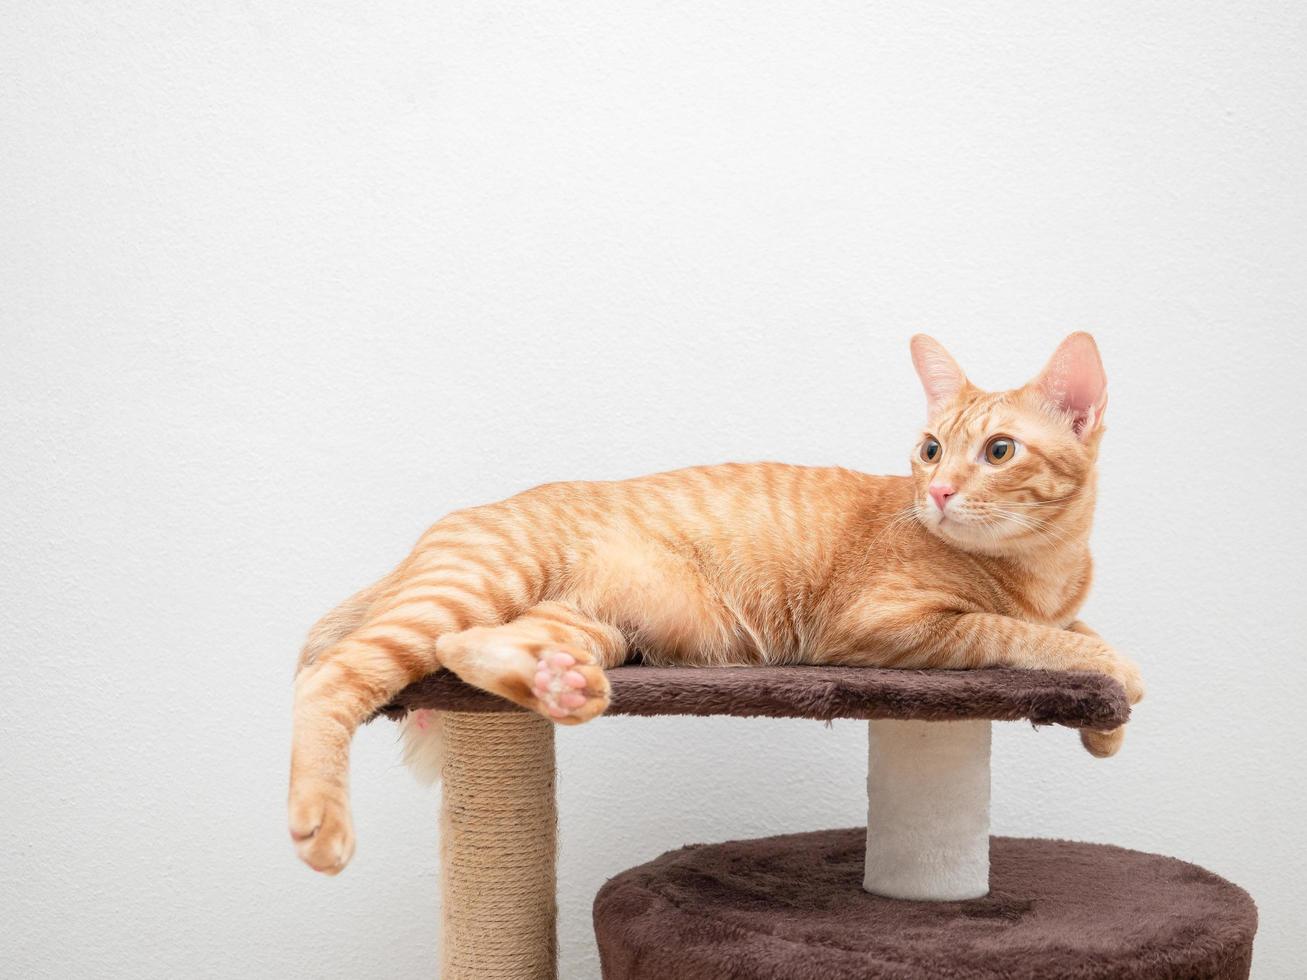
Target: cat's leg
(550, 659)
(343, 686)
(991, 640)
(915, 638)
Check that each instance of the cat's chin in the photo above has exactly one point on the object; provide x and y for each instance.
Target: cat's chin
(965, 536)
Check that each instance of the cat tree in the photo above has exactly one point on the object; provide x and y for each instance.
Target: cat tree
(939, 897)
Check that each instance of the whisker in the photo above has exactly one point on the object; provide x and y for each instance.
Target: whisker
(901, 519)
(1044, 503)
(1037, 525)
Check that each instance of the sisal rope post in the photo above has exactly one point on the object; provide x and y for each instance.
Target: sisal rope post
(498, 847)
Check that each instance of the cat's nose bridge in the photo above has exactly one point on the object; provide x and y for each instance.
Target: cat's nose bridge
(941, 492)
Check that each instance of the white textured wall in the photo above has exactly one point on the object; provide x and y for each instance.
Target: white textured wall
(281, 283)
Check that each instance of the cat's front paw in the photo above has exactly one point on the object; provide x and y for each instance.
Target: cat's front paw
(567, 687)
(1126, 673)
(1102, 745)
(321, 828)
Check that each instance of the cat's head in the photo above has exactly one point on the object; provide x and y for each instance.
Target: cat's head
(1013, 471)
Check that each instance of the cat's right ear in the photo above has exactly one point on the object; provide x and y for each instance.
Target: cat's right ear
(939, 373)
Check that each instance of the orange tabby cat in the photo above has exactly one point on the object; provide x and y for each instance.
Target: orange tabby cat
(980, 558)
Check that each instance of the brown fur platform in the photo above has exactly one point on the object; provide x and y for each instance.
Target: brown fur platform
(791, 908)
(1075, 699)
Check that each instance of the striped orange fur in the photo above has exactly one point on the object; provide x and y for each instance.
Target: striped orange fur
(764, 563)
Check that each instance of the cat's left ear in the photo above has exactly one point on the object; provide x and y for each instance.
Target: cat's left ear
(1075, 382)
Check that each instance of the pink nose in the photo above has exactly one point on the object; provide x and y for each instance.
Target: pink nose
(940, 492)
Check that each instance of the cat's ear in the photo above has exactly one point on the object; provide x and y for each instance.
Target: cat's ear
(939, 373)
(1074, 381)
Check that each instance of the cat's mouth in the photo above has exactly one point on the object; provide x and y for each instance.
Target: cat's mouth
(967, 530)
(944, 524)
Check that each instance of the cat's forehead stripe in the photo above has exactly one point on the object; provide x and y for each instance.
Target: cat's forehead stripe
(977, 417)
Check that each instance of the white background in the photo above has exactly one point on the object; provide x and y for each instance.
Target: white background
(282, 283)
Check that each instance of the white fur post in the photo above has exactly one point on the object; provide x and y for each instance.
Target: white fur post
(928, 809)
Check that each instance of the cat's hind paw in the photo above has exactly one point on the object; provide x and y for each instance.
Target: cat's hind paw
(568, 690)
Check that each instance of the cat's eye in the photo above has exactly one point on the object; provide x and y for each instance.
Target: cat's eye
(930, 450)
(1000, 449)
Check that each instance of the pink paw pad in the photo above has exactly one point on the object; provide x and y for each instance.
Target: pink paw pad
(557, 685)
